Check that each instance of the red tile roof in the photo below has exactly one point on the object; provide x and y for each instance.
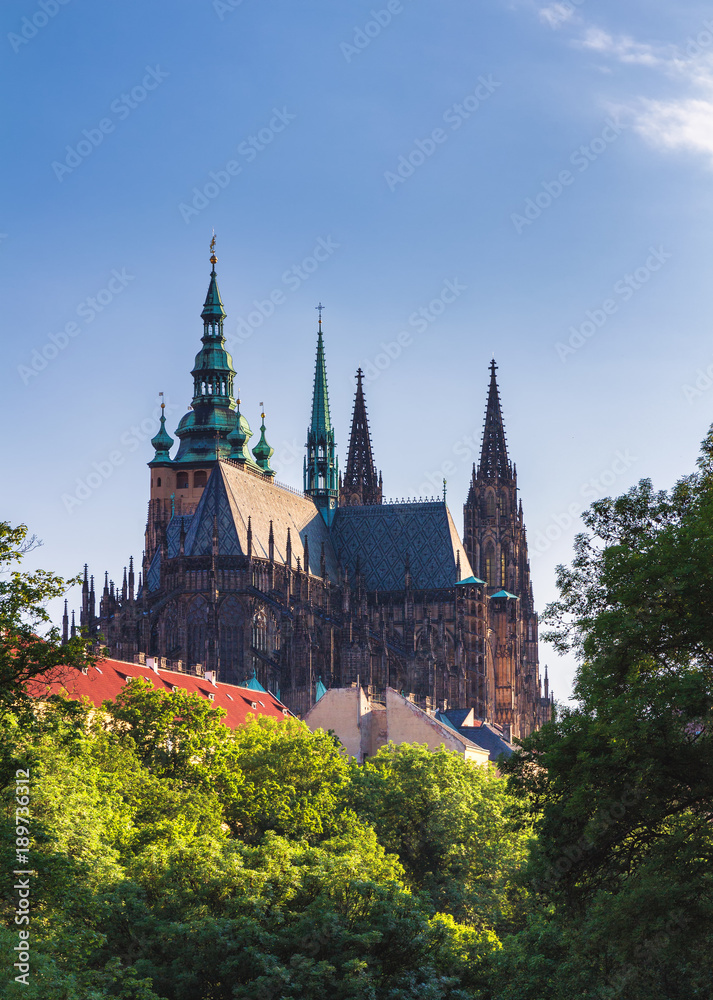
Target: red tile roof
(104, 682)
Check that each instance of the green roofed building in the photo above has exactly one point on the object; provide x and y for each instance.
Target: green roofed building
(331, 586)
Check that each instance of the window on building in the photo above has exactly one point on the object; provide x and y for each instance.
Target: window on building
(200, 478)
(158, 481)
(490, 505)
(182, 481)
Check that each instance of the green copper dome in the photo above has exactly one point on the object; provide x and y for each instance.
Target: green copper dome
(263, 452)
(163, 442)
(239, 437)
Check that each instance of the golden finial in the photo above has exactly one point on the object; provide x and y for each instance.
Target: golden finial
(213, 258)
(262, 408)
(163, 405)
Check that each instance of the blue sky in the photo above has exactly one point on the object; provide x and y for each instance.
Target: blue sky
(530, 180)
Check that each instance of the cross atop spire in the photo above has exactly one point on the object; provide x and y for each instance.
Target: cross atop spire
(319, 309)
(494, 462)
(360, 484)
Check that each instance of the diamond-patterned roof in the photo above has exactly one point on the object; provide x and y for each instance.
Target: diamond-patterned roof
(384, 537)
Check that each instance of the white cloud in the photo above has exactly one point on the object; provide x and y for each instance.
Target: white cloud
(684, 124)
(625, 49)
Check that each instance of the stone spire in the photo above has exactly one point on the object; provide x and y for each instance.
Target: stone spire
(321, 468)
(360, 484)
(494, 462)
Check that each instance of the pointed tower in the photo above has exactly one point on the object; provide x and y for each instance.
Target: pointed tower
(491, 508)
(496, 544)
(321, 469)
(360, 484)
(204, 430)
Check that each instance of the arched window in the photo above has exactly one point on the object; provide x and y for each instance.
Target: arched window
(490, 505)
(260, 631)
(182, 481)
(158, 481)
(502, 568)
(197, 624)
(200, 478)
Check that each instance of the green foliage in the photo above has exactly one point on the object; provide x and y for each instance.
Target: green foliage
(450, 824)
(29, 645)
(620, 787)
(179, 860)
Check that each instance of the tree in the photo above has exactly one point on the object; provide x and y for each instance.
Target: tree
(31, 650)
(621, 786)
(450, 825)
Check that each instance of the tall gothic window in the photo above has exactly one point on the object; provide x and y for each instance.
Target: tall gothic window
(231, 618)
(197, 623)
(260, 631)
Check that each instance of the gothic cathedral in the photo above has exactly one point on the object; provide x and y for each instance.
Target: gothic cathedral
(333, 585)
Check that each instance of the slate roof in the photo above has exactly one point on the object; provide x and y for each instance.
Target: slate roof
(385, 535)
(104, 682)
(481, 733)
(229, 498)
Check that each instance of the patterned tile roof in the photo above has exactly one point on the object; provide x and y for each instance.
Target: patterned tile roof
(383, 537)
(232, 495)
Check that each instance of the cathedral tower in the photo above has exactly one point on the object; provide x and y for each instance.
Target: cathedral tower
(496, 543)
(360, 484)
(321, 467)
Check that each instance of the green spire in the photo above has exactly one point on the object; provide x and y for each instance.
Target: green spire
(263, 452)
(163, 442)
(204, 430)
(320, 397)
(321, 468)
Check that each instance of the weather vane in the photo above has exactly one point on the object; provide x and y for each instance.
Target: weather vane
(213, 258)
